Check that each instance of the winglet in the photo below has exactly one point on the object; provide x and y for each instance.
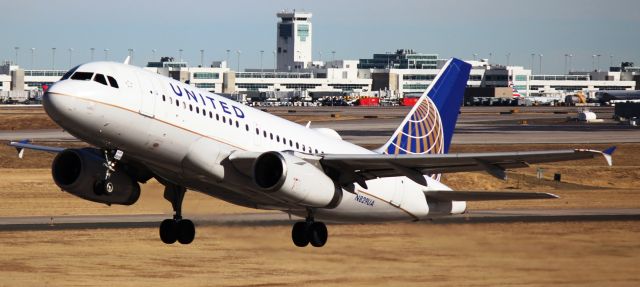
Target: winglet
(607, 154)
(126, 61)
(21, 149)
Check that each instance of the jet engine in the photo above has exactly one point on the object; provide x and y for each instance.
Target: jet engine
(295, 180)
(81, 172)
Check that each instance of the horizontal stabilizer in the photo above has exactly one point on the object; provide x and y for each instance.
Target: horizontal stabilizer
(26, 144)
(448, 195)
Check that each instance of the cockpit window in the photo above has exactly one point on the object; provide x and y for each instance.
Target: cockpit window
(82, 76)
(100, 79)
(112, 81)
(70, 72)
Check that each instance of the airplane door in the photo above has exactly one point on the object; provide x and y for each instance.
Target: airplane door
(149, 94)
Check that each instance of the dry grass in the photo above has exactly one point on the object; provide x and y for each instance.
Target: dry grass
(523, 254)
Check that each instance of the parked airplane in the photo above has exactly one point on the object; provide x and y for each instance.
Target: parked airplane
(145, 126)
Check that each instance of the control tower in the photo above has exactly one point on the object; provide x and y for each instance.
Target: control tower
(294, 40)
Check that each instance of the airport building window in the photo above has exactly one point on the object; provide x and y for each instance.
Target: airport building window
(521, 78)
(205, 85)
(415, 86)
(347, 87)
(205, 75)
(418, 77)
(112, 82)
(82, 76)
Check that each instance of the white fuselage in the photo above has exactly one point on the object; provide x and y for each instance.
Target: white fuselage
(184, 135)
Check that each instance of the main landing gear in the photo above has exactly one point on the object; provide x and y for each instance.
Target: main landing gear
(309, 231)
(176, 229)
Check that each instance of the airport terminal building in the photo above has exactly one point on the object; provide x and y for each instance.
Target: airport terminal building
(296, 75)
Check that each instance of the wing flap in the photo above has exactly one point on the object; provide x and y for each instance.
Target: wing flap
(448, 195)
(385, 165)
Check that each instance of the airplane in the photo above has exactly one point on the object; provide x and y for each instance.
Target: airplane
(145, 126)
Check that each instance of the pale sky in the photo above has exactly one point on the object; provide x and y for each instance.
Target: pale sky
(354, 29)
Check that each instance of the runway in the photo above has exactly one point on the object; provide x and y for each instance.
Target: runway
(278, 218)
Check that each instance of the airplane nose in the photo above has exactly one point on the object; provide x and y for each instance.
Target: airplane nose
(58, 103)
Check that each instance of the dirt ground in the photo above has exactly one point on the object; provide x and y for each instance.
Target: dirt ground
(406, 254)
(516, 254)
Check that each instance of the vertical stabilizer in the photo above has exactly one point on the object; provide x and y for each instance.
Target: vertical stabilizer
(428, 128)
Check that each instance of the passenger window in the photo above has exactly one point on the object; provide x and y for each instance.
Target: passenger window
(257, 131)
(210, 115)
(100, 79)
(217, 117)
(112, 82)
(246, 126)
(82, 76)
(224, 120)
(271, 135)
(237, 124)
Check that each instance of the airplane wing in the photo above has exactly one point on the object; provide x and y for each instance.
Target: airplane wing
(26, 144)
(361, 167)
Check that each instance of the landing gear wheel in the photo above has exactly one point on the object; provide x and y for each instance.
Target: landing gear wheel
(108, 187)
(186, 231)
(317, 234)
(176, 229)
(299, 234)
(169, 231)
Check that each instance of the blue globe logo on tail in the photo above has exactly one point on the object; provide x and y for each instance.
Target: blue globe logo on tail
(421, 133)
(428, 128)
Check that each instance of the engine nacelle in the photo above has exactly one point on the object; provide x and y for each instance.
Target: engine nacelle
(295, 180)
(81, 172)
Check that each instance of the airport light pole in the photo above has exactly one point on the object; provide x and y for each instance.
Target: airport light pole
(598, 58)
(239, 52)
(228, 51)
(475, 56)
(508, 56)
(33, 53)
(570, 62)
(275, 63)
(106, 54)
(531, 66)
(93, 51)
(70, 57)
(610, 61)
(593, 62)
(333, 59)
(566, 56)
(201, 57)
(153, 55)
(53, 58)
(261, 55)
(17, 49)
(490, 55)
(180, 54)
(541, 64)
